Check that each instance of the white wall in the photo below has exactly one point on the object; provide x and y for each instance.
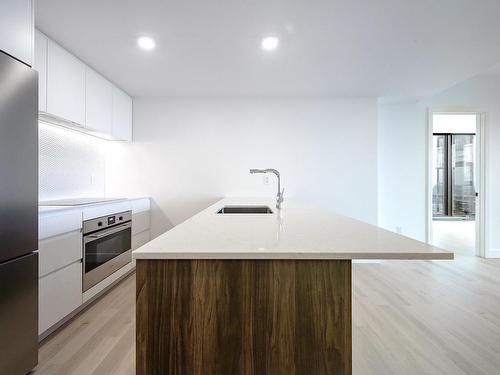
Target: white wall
(402, 169)
(71, 164)
(188, 153)
(479, 94)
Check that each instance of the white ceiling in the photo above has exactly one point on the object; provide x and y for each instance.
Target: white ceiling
(376, 48)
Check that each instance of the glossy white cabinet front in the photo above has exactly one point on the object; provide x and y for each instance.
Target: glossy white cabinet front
(65, 84)
(71, 91)
(16, 29)
(40, 65)
(60, 256)
(59, 251)
(99, 102)
(60, 293)
(122, 115)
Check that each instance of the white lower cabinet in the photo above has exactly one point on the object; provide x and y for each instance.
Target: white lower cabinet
(60, 259)
(140, 239)
(140, 222)
(60, 271)
(59, 251)
(60, 293)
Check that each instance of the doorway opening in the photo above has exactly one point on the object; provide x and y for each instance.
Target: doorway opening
(455, 182)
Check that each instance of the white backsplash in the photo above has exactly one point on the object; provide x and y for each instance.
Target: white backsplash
(71, 164)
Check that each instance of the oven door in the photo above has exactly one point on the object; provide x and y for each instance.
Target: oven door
(105, 252)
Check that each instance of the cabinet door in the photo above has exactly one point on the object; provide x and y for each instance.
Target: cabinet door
(60, 293)
(140, 239)
(40, 65)
(65, 85)
(122, 115)
(141, 222)
(16, 29)
(99, 102)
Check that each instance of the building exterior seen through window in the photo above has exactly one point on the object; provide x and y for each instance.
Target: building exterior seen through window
(454, 191)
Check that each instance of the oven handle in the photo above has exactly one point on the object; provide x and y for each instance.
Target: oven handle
(95, 236)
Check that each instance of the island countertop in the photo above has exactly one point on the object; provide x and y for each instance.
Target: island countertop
(297, 231)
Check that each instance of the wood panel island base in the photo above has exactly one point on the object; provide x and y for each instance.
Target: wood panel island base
(243, 317)
(256, 294)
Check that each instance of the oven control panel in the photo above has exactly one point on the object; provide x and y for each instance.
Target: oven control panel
(106, 221)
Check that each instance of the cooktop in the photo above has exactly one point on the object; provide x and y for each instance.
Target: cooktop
(77, 201)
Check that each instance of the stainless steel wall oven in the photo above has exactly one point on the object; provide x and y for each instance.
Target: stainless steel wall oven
(107, 246)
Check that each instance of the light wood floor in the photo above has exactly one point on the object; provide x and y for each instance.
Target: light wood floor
(409, 318)
(459, 235)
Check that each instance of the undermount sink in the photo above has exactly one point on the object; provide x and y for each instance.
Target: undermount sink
(245, 210)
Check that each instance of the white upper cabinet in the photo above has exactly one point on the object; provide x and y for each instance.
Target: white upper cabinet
(99, 103)
(16, 29)
(122, 115)
(40, 65)
(71, 93)
(65, 84)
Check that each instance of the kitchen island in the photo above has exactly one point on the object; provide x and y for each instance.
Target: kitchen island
(268, 293)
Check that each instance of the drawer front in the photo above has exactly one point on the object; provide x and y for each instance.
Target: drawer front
(50, 225)
(139, 205)
(141, 222)
(140, 239)
(60, 293)
(60, 251)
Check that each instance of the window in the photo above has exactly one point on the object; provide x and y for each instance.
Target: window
(454, 192)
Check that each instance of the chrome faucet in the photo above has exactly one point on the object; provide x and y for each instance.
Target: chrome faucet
(279, 196)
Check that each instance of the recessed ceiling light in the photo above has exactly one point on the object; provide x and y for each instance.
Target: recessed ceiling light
(145, 42)
(270, 43)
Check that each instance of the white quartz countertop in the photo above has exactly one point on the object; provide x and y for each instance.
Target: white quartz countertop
(57, 220)
(43, 210)
(297, 231)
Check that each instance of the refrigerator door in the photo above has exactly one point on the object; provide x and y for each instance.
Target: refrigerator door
(19, 315)
(18, 159)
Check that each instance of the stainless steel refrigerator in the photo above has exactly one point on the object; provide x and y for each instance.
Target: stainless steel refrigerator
(18, 217)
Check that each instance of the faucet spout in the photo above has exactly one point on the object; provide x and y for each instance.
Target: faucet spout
(279, 196)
